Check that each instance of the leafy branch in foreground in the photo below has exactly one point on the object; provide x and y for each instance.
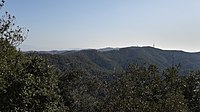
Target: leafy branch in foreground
(8, 32)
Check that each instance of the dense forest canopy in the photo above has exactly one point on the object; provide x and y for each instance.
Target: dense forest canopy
(30, 82)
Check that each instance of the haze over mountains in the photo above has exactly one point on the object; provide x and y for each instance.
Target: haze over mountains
(109, 60)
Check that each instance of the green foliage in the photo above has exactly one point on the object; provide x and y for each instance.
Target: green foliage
(173, 91)
(80, 91)
(112, 61)
(134, 90)
(192, 91)
(30, 83)
(27, 83)
(91, 81)
(139, 89)
(8, 32)
(143, 89)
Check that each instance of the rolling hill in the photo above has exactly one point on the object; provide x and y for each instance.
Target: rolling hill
(110, 60)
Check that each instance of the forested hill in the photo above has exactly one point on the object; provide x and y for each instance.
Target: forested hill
(111, 60)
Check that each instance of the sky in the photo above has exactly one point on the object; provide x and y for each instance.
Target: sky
(82, 24)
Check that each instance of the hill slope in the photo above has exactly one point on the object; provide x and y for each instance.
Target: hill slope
(112, 60)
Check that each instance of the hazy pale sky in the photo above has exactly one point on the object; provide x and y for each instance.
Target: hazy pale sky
(68, 24)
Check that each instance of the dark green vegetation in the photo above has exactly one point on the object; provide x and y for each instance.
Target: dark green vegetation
(117, 60)
(27, 83)
(131, 79)
(93, 81)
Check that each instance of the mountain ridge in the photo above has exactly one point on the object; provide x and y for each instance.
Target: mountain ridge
(108, 60)
(105, 49)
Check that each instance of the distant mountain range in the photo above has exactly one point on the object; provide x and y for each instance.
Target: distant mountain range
(109, 60)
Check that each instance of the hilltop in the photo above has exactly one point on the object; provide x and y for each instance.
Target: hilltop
(110, 60)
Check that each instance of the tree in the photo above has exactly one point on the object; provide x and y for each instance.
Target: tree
(172, 91)
(144, 89)
(135, 90)
(192, 91)
(80, 91)
(27, 82)
(8, 32)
